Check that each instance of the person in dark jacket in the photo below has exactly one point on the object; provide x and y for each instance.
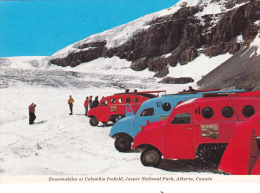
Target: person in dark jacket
(32, 116)
(90, 102)
(191, 89)
(95, 102)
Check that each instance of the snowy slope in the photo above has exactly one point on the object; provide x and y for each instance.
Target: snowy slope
(24, 62)
(114, 70)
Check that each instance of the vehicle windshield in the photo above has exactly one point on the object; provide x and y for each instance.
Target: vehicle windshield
(147, 112)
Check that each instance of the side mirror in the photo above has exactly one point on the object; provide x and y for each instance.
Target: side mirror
(141, 128)
(147, 122)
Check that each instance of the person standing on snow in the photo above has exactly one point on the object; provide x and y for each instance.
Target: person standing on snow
(32, 116)
(191, 89)
(95, 102)
(90, 103)
(86, 106)
(70, 102)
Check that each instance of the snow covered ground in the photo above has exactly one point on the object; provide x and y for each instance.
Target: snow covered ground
(68, 145)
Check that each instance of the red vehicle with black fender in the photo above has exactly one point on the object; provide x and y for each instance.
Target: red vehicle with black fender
(112, 108)
(242, 155)
(196, 128)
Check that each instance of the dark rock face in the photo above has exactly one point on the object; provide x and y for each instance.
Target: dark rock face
(162, 73)
(231, 4)
(236, 22)
(139, 65)
(179, 35)
(242, 71)
(171, 80)
(157, 64)
(94, 51)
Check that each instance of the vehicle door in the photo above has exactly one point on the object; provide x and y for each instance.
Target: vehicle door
(147, 114)
(178, 137)
(128, 110)
(104, 108)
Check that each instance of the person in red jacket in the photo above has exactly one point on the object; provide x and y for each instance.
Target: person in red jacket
(32, 116)
(86, 106)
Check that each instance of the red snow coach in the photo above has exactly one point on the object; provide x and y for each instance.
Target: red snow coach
(196, 128)
(112, 108)
(242, 155)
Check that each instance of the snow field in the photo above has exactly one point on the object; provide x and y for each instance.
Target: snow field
(68, 145)
(64, 144)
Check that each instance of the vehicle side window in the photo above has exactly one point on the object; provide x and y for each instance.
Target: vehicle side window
(128, 100)
(248, 111)
(147, 112)
(227, 112)
(207, 112)
(120, 100)
(184, 118)
(104, 103)
(113, 100)
(136, 100)
(166, 106)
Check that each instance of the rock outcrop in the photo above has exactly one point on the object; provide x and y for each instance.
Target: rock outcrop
(162, 73)
(171, 80)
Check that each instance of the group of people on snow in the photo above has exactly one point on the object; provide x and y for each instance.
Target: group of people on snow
(88, 104)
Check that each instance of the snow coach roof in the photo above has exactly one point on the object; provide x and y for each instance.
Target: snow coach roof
(143, 93)
(196, 91)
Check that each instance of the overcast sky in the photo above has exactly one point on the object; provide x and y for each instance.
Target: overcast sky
(40, 28)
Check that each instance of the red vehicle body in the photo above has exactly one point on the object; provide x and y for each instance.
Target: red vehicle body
(196, 127)
(242, 155)
(112, 108)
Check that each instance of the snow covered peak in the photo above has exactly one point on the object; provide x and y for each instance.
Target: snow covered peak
(119, 35)
(190, 3)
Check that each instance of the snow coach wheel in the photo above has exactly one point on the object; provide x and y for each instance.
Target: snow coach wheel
(113, 120)
(207, 155)
(104, 123)
(93, 121)
(123, 144)
(151, 157)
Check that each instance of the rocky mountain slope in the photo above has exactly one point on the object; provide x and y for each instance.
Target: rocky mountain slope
(175, 35)
(242, 70)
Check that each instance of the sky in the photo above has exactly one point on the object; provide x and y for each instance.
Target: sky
(41, 28)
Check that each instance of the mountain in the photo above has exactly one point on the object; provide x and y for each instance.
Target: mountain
(176, 35)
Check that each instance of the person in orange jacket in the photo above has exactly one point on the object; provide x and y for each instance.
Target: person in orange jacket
(70, 102)
(32, 116)
(86, 106)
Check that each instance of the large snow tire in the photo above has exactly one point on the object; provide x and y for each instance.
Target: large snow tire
(151, 157)
(123, 144)
(114, 120)
(93, 121)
